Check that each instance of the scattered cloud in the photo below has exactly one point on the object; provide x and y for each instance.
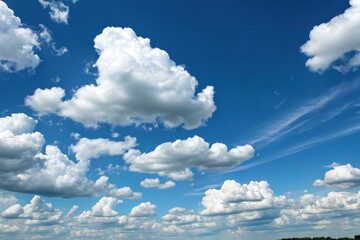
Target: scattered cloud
(37, 212)
(105, 207)
(155, 183)
(330, 41)
(59, 12)
(174, 159)
(17, 43)
(314, 210)
(128, 67)
(145, 209)
(234, 209)
(26, 169)
(45, 36)
(234, 197)
(93, 148)
(341, 176)
(45, 101)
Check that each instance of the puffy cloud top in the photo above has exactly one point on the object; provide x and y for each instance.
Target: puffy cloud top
(45, 101)
(145, 209)
(137, 84)
(234, 197)
(341, 176)
(17, 43)
(173, 159)
(155, 183)
(26, 169)
(330, 41)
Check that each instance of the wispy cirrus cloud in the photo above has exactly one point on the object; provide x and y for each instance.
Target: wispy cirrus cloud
(304, 145)
(302, 115)
(303, 126)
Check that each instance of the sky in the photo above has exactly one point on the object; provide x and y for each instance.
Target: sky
(179, 119)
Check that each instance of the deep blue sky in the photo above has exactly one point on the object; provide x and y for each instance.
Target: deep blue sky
(250, 52)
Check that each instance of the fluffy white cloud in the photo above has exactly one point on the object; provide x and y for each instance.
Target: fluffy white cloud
(145, 209)
(59, 12)
(179, 220)
(93, 148)
(173, 159)
(105, 207)
(341, 176)
(311, 208)
(335, 211)
(18, 144)
(17, 43)
(179, 216)
(26, 169)
(13, 211)
(37, 212)
(45, 101)
(155, 183)
(330, 41)
(124, 192)
(138, 84)
(17, 123)
(234, 197)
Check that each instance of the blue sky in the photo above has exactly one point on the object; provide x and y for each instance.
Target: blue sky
(171, 120)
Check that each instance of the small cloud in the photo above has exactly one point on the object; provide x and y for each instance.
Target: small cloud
(155, 183)
(75, 136)
(341, 176)
(46, 37)
(59, 12)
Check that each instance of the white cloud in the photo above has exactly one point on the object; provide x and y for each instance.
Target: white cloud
(179, 221)
(155, 183)
(234, 197)
(59, 12)
(45, 101)
(174, 159)
(13, 211)
(145, 209)
(105, 207)
(18, 144)
(336, 211)
(311, 208)
(37, 212)
(341, 176)
(179, 216)
(75, 136)
(93, 148)
(17, 123)
(17, 43)
(26, 169)
(128, 68)
(112, 190)
(45, 36)
(330, 41)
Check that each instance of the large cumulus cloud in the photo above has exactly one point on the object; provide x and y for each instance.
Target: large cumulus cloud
(331, 41)
(136, 84)
(17, 43)
(175, 159)
(25, 168)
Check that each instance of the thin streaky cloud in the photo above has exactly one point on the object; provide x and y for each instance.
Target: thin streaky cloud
(301, 147)
(280, 127)
(200, 191)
